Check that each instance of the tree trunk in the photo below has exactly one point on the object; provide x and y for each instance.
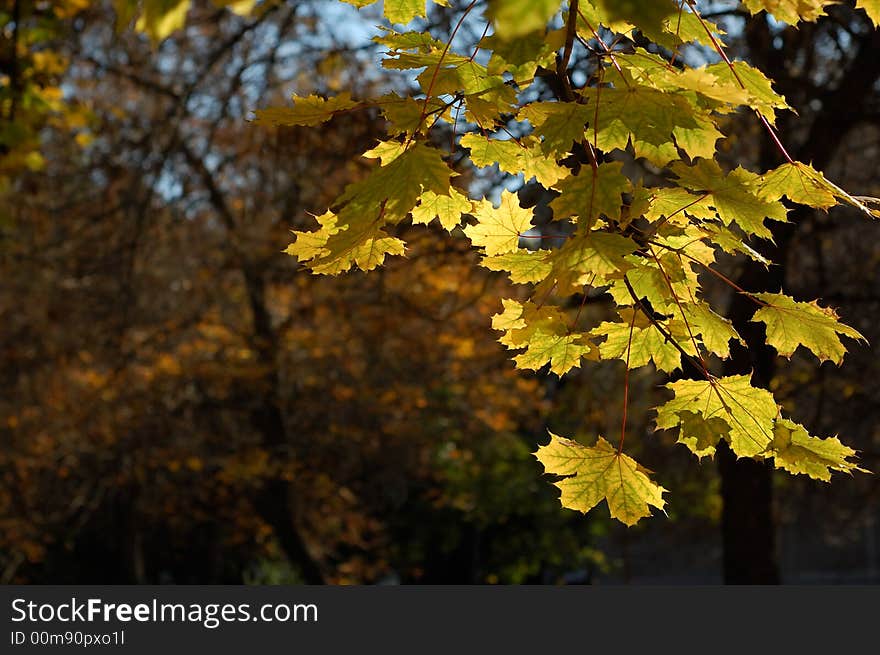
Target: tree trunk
(747, 523)
(748, 528)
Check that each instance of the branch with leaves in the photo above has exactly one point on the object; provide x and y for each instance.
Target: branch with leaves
(644, 246)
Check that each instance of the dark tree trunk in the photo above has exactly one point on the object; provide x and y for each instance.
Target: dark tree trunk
(747, 521)
(748, 528)
(274, 502)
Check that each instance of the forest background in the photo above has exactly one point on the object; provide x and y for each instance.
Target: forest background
(181, 402)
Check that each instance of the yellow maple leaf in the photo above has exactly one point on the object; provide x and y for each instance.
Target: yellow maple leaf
(596, 473)
(499, 228)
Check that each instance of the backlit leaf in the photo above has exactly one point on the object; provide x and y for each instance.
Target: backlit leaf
(311, 110)
(588, 196)
(797, 452)
(872, 8)
(498, 229)
(790, 11)
(515, 18)
(736, 196)
(747, 412)
(597, 473)
(791, 324)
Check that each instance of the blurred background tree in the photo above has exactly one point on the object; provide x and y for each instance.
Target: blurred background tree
(181, 404)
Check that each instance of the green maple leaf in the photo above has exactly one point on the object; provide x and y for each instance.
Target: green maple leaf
(546, 335)
(521, 57)
(649, 15)
(486, 96)
(653, 109)
(424, 58)
(498, 229)
(385, 151)
(800, 183)
(697, 140)
(405, 115)
(791, 324)
(805, 185)
(398, 185)
(736, 196)
(354, 235)
(685, 27)
(524, 156)
(561, 349)
(675, 204)
(762, 97)
(716, 332)
(797, 452)
(422, 41)
(336, 248)
(403, 11)
(690, 240)
(597, 473)
(642, 116)
(650, 69)
(731, 243)
(747, 412)
(588, 258)
(653, 283)
(448, 208)
(487, 152)
(516, 18)
(397, 11)
(701, 434)
(667, 25)
(640, 342)
(523, 266)
(558, 124)
(588, 196)
(308, 111)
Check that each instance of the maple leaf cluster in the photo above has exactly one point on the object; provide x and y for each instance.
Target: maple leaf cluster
(644, 245)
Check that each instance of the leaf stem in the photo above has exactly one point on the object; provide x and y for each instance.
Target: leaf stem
(436, 72)
(690, 360)
(727, 61)
(632, 324)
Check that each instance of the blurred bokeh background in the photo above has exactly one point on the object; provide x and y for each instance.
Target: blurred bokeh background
(180, 402)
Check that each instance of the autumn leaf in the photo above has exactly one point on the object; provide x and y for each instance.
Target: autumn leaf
(797, 452)
(629, 204)
(524, 156)
(636, 339)
(791, 324)
(546, 335)
(872, 8)
(515, 18)
(396, 11)
(736, 196)
(311, 110)
(790, 11)
(588, 196)
(557, 124)
(498, 229)
(447, 208)
(597, 473)
(746, 414)
(523, 266)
